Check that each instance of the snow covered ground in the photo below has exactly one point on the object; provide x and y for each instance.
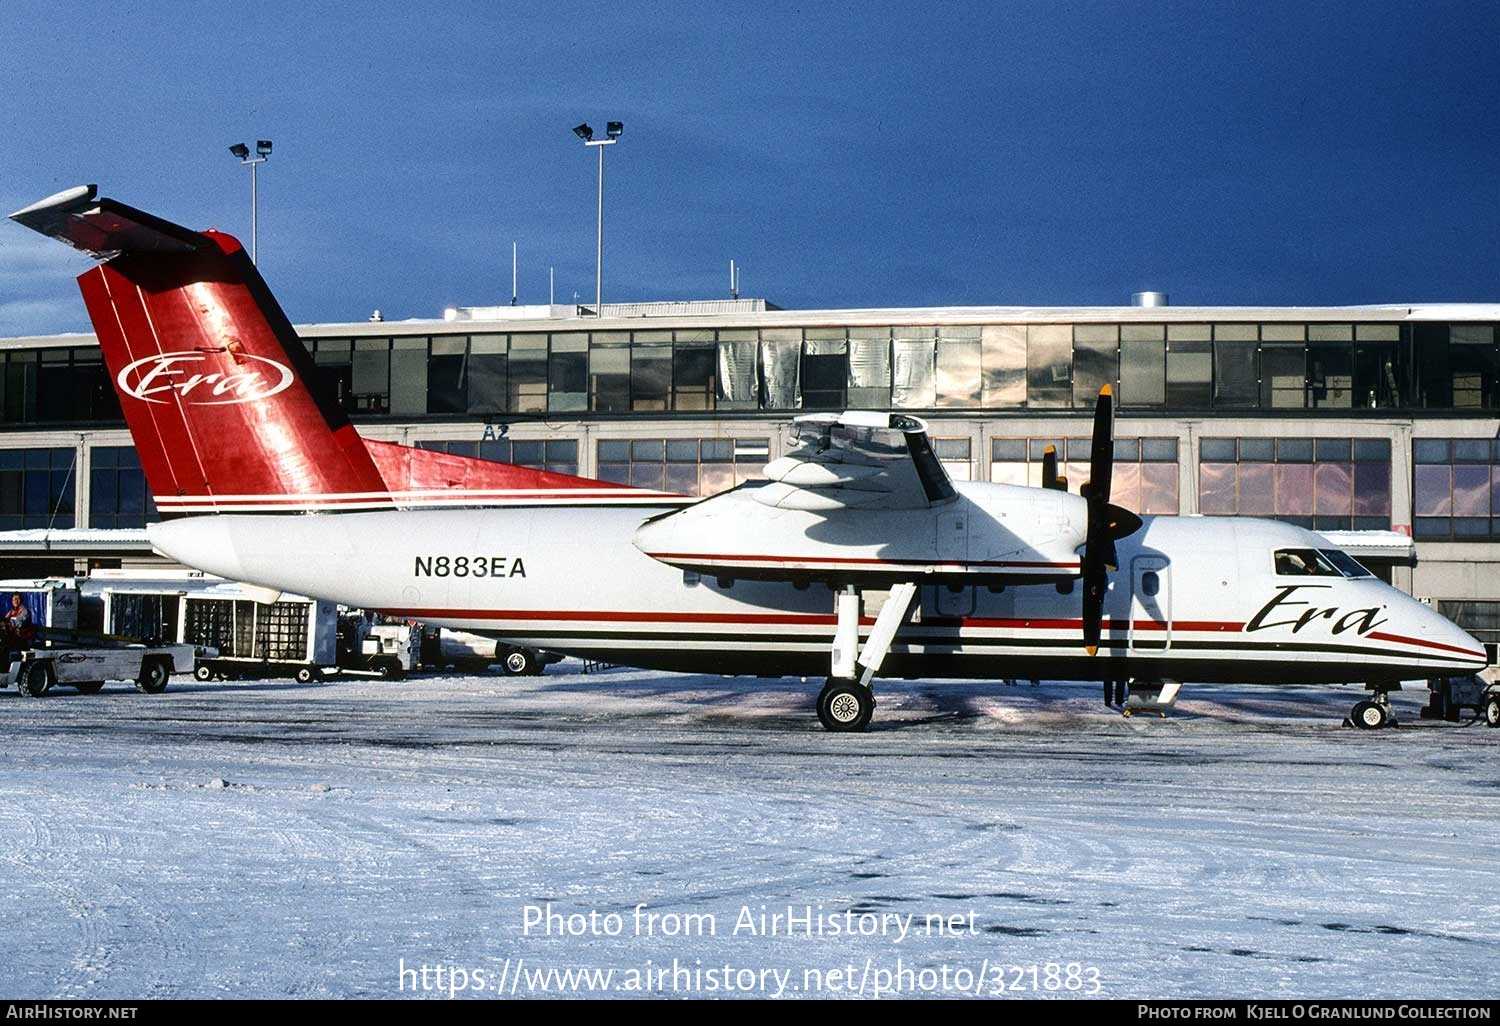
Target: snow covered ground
(272, 839)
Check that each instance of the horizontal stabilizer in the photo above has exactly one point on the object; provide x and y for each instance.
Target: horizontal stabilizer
(104, 228)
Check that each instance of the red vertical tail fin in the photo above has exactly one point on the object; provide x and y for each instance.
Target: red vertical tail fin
(218, 390)
(195, 343)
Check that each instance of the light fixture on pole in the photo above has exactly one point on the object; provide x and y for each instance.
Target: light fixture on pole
(612, 131)
(262, 153)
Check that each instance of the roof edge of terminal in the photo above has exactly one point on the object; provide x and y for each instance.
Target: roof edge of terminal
(752, 313)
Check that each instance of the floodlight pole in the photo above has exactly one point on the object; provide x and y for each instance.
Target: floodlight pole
(262, 154)
(254, 212)
(586, 133)
(599, 232)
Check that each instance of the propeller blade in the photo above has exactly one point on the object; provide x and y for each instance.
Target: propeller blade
(1094, 587)
(1102, 453)
(1105, 521)
(1049, 470)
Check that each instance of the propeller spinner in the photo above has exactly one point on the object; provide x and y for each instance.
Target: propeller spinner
(1106, 522)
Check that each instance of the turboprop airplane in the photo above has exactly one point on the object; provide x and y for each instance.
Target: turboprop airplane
(857, 557)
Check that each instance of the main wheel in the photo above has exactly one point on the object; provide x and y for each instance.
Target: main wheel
(519, 662)
(306, 675)
(845, 706)
(154, 676)
(1368, 715)
(204, 671)
(89, 687)
(1492, 711)
(36, 679)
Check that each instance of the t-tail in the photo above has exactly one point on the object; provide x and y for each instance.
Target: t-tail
(221, 396)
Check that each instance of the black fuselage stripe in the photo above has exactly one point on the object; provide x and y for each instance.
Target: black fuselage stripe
(602, 638)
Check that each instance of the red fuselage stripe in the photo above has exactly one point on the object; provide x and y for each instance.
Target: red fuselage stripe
(807, 619)
(719, 557)
(1403, 640)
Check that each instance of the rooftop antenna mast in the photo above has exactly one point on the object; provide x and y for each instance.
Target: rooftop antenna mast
(512, 273)
(734, 281)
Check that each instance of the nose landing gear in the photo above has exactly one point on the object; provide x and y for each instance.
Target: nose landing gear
(1375, 712)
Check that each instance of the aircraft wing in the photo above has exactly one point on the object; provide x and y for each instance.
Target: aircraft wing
(857, 460)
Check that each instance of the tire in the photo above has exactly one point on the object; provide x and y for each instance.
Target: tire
(90, 687)
(306, 675)
(845, 706)
(36, 679)
(1492, 711)
(519, 662)
(204, 671)
(154, 676)
(1368, 715)
(389, 669)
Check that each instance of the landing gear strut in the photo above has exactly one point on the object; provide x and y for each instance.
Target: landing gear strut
(847, 701)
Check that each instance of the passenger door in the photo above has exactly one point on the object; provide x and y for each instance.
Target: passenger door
(1150, 604)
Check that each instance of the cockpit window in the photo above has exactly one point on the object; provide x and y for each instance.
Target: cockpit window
(1304, 563)
(1347, 564)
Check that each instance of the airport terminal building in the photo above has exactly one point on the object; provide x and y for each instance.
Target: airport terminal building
(1380, 420)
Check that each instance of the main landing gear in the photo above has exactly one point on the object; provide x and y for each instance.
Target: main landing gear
(1375, 712)
(847, 700)
(845, 705)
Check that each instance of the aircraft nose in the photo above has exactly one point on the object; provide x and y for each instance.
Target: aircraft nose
(1441, 631)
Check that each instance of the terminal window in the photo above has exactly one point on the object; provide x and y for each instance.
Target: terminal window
(118, 496)
(1145, 469)
(1330, 484)
(1456, 491)
(36, 488)
(54, 385)
(558, 455)
(1182, 366)
(1481, 619)
(953, 454)
(684, 466)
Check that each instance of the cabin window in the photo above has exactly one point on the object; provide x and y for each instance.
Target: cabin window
(1304, 563)
(1150, 583)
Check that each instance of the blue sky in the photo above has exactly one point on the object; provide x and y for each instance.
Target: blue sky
(864, 154)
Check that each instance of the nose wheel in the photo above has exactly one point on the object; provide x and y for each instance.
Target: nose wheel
(845, 706)
(1373, 713)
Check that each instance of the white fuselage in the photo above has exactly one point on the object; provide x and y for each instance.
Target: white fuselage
(1194, 599)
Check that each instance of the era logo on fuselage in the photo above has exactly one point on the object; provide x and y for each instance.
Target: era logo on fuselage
(150, 378)
(1361, 621)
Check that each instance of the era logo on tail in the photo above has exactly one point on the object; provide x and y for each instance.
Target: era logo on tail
(155, 375)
